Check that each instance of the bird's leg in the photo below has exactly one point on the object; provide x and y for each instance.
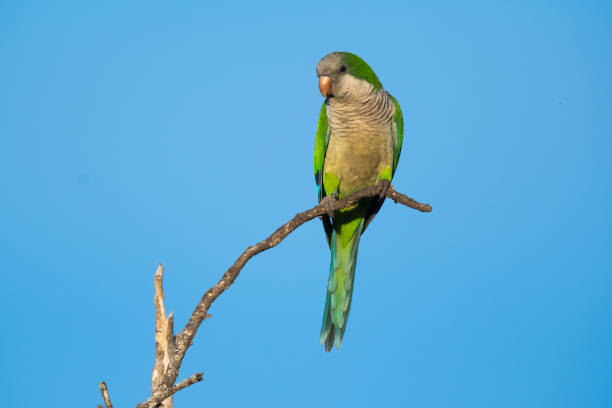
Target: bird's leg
(327, 203)
(384, 185)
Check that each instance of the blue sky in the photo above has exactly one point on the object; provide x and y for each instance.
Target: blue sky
(182, 133)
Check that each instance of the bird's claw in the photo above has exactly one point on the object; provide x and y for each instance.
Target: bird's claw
(384, 188)
(327, 204)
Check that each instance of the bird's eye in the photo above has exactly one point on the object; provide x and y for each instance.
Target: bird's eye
(342, 68)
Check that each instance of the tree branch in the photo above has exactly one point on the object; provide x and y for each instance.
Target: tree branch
(164, 338)
(161, 396)
(170, 351)
(105, 396)
(185, 337)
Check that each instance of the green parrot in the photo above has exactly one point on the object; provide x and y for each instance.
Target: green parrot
(358, 143)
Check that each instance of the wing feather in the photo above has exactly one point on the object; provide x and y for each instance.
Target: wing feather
(321, 142)
(398, 132)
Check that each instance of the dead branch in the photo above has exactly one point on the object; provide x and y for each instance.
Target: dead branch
(170, 350)
(164, 337)
(163, 395)
(105, 396)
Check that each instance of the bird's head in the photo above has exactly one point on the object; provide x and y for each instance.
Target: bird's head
(344, 76)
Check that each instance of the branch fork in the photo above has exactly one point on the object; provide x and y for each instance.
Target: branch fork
(170, 350)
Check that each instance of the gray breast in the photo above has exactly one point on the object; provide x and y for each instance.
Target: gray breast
(360, 145)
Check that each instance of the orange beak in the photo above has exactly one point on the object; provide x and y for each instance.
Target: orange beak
(325, 85)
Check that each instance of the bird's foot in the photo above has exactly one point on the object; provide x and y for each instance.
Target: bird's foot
(384, 185)
(327, 203)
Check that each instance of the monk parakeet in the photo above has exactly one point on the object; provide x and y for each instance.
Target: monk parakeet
(357, 144)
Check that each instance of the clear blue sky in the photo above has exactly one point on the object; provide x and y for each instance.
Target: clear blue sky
(182, 133)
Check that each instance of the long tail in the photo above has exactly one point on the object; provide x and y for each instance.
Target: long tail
(344, 245)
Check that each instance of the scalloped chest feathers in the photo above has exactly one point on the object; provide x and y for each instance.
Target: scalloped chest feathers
(360, 142)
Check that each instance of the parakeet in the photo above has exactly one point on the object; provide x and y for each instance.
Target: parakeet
(357, 144)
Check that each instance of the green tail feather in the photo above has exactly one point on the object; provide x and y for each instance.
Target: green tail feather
(345, 243)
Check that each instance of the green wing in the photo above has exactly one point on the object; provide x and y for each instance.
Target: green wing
(321, 141)
(398, 132)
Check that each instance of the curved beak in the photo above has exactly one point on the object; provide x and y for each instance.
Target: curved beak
(325, 85)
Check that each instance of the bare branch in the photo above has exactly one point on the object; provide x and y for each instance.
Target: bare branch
(197, 377)
(164, 394)
(164, 338)
(170, 350)
(184, 339)
(407, 201)
(105, 396)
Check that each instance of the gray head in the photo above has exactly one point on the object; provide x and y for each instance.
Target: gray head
(345, 76)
